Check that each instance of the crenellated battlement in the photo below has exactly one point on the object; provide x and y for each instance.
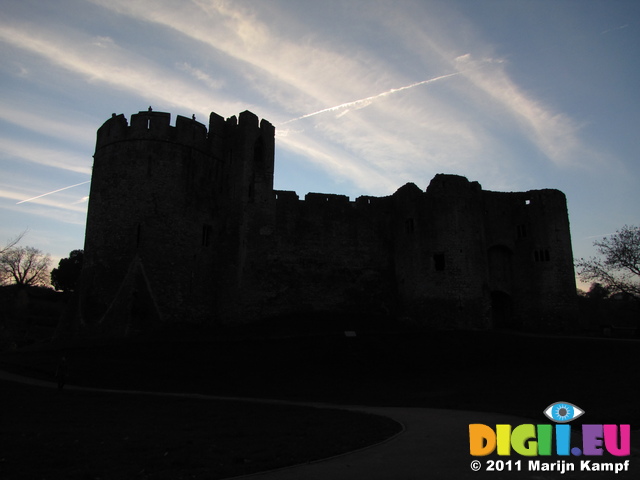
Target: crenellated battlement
(326, 199)
(156, 126)
(327, 202)
(149, 125)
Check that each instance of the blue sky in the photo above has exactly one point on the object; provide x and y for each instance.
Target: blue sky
(365, 95)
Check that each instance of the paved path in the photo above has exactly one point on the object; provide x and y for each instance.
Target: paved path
(433, 445)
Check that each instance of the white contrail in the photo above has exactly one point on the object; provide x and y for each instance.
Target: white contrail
(368, 100)
(50, 193)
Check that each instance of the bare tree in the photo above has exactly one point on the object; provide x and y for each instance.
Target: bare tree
(619, 270)
(24, 266)
(13, 242)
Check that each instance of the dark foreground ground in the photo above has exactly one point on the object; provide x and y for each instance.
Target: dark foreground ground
(46, 434)
(484, 371)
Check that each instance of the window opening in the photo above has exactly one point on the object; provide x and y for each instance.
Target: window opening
(206, 235)
(541, 255)
(521, 231)
(252, 190)
(409, 225)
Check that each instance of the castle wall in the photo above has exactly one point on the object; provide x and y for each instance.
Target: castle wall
(530, 242)
(243, 210)
(440, 260)
(326, 254)
(184, 222)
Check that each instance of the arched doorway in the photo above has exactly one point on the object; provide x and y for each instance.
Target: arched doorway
(502, 310)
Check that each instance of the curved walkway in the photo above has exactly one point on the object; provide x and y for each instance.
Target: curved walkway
(433, 444)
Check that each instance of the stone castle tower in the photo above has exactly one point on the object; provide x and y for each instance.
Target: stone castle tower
(184, 225)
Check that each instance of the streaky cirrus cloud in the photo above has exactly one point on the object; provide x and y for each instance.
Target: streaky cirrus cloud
(298, 77)
(301, 77)
(55, 158)
(109, 64)
(305, 74)
(525, 107)
(200, 75)
(42, 123)
(553, 133)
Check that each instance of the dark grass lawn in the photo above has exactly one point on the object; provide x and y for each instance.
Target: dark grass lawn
(48, 434)
(482, 371)
(486, 371)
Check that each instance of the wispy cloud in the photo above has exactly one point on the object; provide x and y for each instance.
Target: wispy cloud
(340, 164)
(100, 61)
(67, 129)
(291, 76)
(298, 77)
(302, 75)
(495, 94)
(554, 133)
(351, 75)
(84, 199)
(62, 159)
(201, 76)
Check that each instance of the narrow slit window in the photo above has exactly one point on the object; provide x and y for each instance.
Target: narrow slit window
(410, 225)
(206, 235)
(541, 255)
(521, 231)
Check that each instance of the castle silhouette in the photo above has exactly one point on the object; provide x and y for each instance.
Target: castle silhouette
(184, 225)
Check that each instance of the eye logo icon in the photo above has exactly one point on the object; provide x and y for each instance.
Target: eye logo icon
(563, 412)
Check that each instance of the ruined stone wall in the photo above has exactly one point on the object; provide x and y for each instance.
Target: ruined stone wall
(323, 254)
(184, 225)
(244, 213)
(440, 258)
(529, 244)
(451, 256)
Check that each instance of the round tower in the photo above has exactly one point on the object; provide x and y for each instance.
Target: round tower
(171, 216)
(550, 258)
(149, 218)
